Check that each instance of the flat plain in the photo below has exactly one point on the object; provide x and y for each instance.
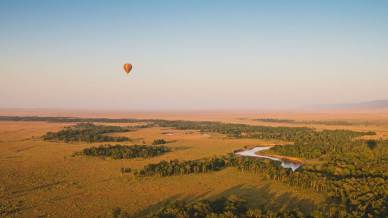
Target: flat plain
(45, 179)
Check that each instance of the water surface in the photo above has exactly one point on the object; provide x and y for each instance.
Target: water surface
(252, 153)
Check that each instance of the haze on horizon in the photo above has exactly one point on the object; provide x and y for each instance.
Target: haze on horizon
(192, 54)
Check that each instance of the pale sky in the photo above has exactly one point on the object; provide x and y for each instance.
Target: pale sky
(192, 54)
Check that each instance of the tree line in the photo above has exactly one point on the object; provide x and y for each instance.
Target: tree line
(268, 168)
(124, 151)
(176, 167)
(68, 119)
(309, 122)
(87, 132)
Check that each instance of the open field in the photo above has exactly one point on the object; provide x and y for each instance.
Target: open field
(42, 178)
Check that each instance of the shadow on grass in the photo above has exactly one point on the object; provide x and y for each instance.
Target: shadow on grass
(264, 198)
(156, 206)
(168, 201)
(257, 197)
(181, 148)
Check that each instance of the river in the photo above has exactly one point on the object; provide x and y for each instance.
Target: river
(252, 153)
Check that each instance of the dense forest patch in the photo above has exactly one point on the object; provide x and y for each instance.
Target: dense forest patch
(125, 151)
(87, 132)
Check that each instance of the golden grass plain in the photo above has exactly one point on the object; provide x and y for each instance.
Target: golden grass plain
(44, 179)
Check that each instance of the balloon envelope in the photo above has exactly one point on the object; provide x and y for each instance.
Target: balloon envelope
(127, 68)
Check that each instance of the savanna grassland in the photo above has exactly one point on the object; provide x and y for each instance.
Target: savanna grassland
(53, 167)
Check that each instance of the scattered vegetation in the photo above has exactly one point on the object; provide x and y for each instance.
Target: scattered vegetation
(159, 142)
(371, 144)
(126, 170)
(87, 132)
(309, 143)
(8, 209)
(292, 134)
(124, 151)
(275, 120)
(351, 172)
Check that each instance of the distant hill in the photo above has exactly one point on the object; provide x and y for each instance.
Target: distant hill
(378, 104)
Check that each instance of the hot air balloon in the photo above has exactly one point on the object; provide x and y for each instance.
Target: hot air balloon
(127, 68)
